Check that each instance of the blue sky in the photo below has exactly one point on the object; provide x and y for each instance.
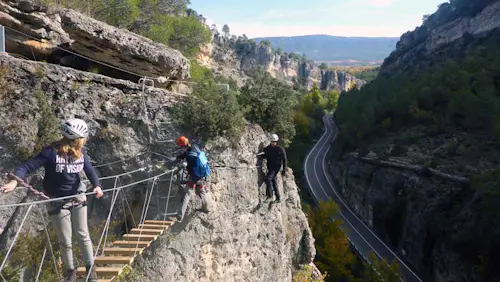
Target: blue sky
(372, 18)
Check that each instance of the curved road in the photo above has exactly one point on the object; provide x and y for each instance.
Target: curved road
(322, 188)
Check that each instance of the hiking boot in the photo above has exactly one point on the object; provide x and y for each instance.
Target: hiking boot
(205, 210)
(70, 276)
(93, 274)
(278, 200)
(174, 219)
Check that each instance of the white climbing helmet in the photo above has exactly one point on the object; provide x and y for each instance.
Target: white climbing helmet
(74, 129)
(274, 138)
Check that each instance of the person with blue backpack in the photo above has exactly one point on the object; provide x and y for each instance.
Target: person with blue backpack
(198, 170)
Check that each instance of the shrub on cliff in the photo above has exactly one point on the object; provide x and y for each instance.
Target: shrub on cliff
(211, 110)
(270, 103)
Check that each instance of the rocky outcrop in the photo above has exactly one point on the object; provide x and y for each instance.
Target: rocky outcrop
(45, 29)
(438, 225)
(446, 34)
(431, 195)
(242, 239)
(38, 94)
(237, 60)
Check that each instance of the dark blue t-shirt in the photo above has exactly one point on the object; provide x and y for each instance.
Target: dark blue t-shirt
(191, 162)
(62, 175)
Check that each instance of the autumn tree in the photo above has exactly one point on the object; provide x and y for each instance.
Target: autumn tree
(333, 248)
(379, 270)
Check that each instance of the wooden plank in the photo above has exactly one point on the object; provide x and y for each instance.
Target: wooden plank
(153, 226)
(102, 271)
(141, 237)
(158, 222)
(98, 280)
(131, 244)
(123, 251)
(146, 231)
(114, 260)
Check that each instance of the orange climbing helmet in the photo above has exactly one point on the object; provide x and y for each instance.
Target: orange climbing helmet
(182, 141)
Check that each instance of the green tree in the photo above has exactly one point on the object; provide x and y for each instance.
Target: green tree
(211, 110)
(301, 121)
(185, 34)
(164, 21)
(266, 43)
(269, 102)
(226, 30)
(323, 66)
(332, 100)
(317, 97)
(119, 13)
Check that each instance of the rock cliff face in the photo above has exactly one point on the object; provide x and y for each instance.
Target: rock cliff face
(444, 226)
(446, 34)
(85, 36)
(239, 239)
(242, 239)
(38, 93)
(221, 56)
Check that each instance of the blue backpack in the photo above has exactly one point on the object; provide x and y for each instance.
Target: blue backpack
(201, 167)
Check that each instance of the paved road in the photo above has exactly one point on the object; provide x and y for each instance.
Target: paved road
(322, 188)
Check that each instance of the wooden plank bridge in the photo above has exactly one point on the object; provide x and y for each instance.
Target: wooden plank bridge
(122, 254)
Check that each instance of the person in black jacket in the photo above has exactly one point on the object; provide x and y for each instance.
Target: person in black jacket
(275, 156)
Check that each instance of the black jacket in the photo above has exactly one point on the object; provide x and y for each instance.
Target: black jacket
(275, 155)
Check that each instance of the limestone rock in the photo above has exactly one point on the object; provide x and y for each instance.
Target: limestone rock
(78, 33)
(240, 239)
(221, 56)
(448, 31)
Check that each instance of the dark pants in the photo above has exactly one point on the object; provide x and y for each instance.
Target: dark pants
(272, 185)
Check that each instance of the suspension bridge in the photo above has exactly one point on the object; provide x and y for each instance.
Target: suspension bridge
(110, 258)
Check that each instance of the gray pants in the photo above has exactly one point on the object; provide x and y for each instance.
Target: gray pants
(64, 223)
(188, 191)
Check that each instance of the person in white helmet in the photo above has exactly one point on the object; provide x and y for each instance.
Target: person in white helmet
(63, 161)
(275, 156)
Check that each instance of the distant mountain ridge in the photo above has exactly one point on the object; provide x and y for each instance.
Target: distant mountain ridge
(328, 48)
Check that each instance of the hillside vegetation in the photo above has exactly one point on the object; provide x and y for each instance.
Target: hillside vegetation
(167, 21)
(461, 93)
(435, 107)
